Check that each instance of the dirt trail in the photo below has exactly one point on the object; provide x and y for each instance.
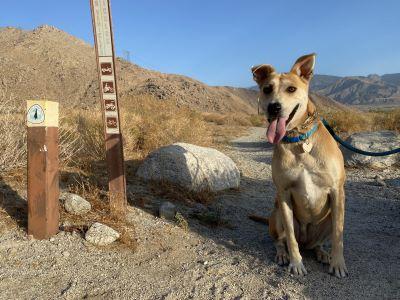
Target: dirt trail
(231, 262)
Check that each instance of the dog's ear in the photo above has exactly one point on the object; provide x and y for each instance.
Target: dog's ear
(304, 66)
(261, 72)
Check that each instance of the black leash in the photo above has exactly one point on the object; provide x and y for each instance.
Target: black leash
(351, 148)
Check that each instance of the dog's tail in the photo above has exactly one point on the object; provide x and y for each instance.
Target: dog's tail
(259, 219)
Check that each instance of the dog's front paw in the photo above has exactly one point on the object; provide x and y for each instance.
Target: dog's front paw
(338, 267)
(297, 268)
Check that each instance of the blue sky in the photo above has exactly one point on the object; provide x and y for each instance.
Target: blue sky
(217, 41)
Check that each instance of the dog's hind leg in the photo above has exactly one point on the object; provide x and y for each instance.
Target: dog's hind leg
(317, 235)
(337, 264)
(322, 255)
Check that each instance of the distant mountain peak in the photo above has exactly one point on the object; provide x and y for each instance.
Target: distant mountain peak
(371, 90)
(374, 77)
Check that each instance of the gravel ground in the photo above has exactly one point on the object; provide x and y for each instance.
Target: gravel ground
(234, 261)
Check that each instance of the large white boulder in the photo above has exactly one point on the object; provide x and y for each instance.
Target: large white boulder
(378, 141)
(193, 167)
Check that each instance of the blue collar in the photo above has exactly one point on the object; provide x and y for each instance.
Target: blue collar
(301, 137)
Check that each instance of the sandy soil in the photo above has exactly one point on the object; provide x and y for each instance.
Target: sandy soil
(226, 262)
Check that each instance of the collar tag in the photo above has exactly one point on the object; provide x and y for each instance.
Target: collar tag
(307, 147)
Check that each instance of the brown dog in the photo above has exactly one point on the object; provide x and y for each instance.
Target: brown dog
(309, 174)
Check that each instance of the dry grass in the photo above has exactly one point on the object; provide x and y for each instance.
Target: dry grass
(348, 122)
(149, 123)
(12, 133)
(231, 119)
(226, 127)
(181, 221)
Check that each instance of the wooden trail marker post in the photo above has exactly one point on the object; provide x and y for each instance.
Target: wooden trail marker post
(104, 45)
(43, 178)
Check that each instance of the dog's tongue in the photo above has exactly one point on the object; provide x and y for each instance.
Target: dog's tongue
(276, 130)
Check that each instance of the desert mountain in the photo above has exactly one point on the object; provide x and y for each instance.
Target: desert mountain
(359, 90)
(47, 62)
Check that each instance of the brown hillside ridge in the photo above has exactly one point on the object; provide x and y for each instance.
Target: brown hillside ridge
(371, 90)
(47, 62)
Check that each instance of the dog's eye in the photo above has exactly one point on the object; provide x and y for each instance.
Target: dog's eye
(268, 89)
(291, 89)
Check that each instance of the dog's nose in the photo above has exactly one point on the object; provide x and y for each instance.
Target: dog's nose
(274, 108)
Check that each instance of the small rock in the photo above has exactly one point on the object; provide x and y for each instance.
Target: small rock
(61, 233)
(101, 235)
(66, 224)
(167, 211)
(75, 204)
(66, 254)
(11, 251)
(67, 292)
(379, 181)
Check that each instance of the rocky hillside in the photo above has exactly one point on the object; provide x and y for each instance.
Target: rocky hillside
(359, 90)
(47, 62)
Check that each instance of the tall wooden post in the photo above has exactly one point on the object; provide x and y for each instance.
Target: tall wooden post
(43, 178)
(104, 44)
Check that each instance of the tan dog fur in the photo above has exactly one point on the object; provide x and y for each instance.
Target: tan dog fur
(310, 199)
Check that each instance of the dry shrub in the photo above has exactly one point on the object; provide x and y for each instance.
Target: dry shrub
(12, 133)
(351, 121)
(181, 221)
(148, 123)
(388, 120)
(232, 119)
(84, 134)
(258, 120)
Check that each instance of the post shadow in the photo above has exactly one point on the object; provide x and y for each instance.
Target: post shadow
(13, 204)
